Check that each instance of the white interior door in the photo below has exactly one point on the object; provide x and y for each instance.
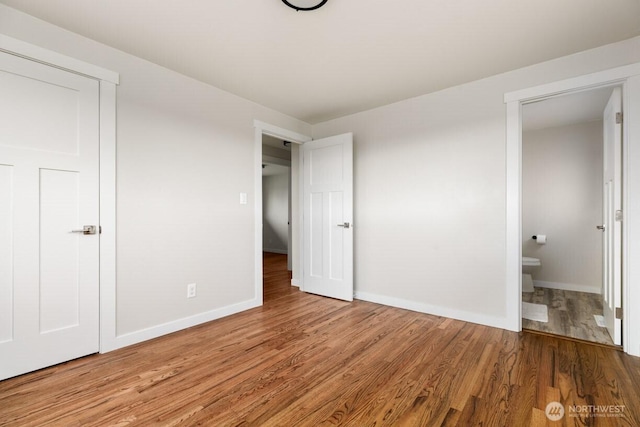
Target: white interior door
(612, 226)
(328, 217)
(49, 154)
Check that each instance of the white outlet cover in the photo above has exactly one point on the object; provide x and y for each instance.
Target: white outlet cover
(191, 290)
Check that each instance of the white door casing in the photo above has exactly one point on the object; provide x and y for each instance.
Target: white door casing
(328, 217)
(612, 203)
(49, 186)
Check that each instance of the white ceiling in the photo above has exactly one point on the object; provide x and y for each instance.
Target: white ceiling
(348, 56)
(579, 107)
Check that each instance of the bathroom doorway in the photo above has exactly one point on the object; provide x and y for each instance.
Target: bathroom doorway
(571, 190)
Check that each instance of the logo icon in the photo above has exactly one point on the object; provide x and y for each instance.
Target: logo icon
(554, 411)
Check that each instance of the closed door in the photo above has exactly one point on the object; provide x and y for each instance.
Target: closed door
(612, 209)
(49, 153)
(328, 217)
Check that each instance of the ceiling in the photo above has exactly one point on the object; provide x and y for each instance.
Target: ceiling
(580, 107)
(348, 56)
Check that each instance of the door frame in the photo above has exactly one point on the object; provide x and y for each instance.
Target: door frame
(261, 128)
(107, 164)
(627, 77)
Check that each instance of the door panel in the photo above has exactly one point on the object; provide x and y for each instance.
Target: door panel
(316, 241)
(337, 238)
(59, 249)
(612, 202)
(49, 277)
(328, 206)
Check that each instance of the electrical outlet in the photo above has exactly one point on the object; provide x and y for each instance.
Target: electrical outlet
(191, 290)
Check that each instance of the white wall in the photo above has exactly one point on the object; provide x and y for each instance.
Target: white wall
(275, 213)
(184, 153)
(429, 187)
(562, 198)
(430, 191)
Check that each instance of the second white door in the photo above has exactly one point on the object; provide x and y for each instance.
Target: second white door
(612, 206)
(328, 217)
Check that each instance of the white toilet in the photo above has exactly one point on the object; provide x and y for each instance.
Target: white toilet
(527, 280)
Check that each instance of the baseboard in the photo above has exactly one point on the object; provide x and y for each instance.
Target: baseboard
(177, 325)
(275, 251)
(466, 316)
(295, 282)
(567, 287)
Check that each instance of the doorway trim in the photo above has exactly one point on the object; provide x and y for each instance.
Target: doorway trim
(261, 128)
(628, 77)
(107, 164)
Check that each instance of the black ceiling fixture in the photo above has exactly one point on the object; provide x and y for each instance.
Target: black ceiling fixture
(304, 5)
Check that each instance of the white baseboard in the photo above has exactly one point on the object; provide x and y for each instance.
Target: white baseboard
(275, 251)
(566, 287)
(466, 316)
(295, 282)
(177, 325)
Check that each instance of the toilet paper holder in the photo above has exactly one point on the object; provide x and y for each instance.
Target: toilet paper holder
(540, 239)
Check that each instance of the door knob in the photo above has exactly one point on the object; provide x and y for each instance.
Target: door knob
(87, 229)
(600, 227)
(345, 225)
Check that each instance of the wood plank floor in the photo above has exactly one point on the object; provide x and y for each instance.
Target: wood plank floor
(570, 314)
(304, 360)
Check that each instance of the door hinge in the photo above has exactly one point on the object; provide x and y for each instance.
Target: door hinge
(618, 312)
(99, 229)
(619, 118)
(619, 216)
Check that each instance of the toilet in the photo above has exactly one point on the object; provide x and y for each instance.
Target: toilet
(527, 280)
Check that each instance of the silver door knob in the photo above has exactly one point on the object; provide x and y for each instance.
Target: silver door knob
(600, 227)
(87, 229)
(345, 225)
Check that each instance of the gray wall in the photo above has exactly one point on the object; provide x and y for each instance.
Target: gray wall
(275, 212)
(430, 191)
(429, 179)
(185, 150)
(562, 198)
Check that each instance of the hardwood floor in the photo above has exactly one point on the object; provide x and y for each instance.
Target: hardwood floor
(570, 314)
(304, 360)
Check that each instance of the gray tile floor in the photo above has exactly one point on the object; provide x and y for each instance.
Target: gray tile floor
(570, 314)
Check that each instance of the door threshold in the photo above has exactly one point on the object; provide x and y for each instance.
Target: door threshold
(578, 340)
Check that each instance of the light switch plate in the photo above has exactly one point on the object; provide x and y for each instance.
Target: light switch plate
(243, 198)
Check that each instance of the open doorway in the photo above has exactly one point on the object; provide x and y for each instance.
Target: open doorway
(276, 196)
(570, 261)
(275, 137)
(276, 217)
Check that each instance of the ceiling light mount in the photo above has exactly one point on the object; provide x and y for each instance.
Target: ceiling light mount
(304, 5)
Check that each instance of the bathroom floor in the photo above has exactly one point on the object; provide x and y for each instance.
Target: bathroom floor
(570, 314)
